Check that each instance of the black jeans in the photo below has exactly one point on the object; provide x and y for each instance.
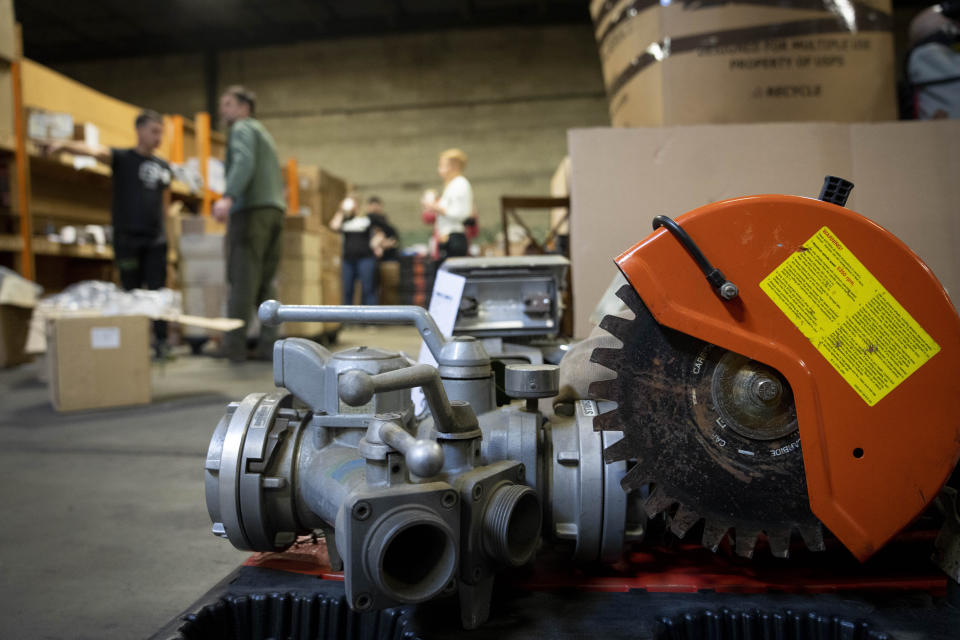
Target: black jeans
(142, 263)
(254, 244)
(455, 247)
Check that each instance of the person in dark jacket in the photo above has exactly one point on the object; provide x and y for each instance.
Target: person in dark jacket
(141, 193)
(254, 203)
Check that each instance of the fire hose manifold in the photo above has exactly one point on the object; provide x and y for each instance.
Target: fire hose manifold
(717, 385)
(413, 510)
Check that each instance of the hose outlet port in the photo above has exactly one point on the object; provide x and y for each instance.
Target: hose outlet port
(511, 524)
(411, 555)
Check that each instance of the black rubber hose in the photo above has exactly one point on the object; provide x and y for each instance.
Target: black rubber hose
(714, 275)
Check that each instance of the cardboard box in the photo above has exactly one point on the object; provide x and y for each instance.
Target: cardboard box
(905, 179)
(308, 183)
(690, 63)
(308, 178)
(97, 362)
(560, 188)
(195, 224)
(300, 223)
(299, 270)
(49, 125)
(331, 292)
(14, 326)
(198, 245)
(202, 271)
(7, 137)
(86, 132)
(300, 293)
(298, 245)
(207, 301)
(8, 31)
(201, 255)
(320, 193)
(389, 282)
(18, 297)
(333, 190)
(331, 249)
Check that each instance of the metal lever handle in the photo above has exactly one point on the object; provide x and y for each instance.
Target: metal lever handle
(272, 313)
(424, 457)
(358, 387)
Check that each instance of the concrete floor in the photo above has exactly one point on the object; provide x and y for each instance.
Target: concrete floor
(104, 531)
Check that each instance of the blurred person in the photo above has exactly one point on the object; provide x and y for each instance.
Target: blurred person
(359, 260)
(385, 243)
(429, 216)
(385, 239)
(141, 194)
(454, 207)
(254, 204)
(933, 62)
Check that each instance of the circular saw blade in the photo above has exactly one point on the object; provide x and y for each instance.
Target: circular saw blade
(712, 432)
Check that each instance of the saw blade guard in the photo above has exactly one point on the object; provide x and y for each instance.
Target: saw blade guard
(856, 323)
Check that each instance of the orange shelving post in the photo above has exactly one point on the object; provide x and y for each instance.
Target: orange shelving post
(173, 126)
(202, 124)
(293, 188)
(26, 263)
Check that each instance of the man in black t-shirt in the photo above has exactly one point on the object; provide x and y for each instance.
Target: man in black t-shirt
(141, 193)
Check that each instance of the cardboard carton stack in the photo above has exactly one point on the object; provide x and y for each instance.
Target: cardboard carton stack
(331, 253)
(309, 272)
(203, 271)
(690, 63)
(299, 276)
(320, 195)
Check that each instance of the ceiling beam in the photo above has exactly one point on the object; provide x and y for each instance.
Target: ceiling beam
(324, 22)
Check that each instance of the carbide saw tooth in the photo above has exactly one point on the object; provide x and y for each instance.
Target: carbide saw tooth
(812, 537)
(609, 421)
(746, 541)
(617, 327)
(627, 294)
(619, 450)
(634, 479)
(606, 357)
(684, 519)
(779, 542)
(657, 502)
(603, 389)
(713, 533)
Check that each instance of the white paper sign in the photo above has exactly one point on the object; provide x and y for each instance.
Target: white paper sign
(444, 306)
(105, 338)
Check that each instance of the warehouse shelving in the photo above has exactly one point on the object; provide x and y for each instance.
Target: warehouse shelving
(50, 191)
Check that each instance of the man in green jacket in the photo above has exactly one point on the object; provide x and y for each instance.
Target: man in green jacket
(254, 203)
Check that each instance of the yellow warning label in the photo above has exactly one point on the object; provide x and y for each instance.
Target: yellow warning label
(849, 317)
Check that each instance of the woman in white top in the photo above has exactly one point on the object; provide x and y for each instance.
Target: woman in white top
(455, 205)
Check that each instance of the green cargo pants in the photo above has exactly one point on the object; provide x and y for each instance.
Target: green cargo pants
(254, 243)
